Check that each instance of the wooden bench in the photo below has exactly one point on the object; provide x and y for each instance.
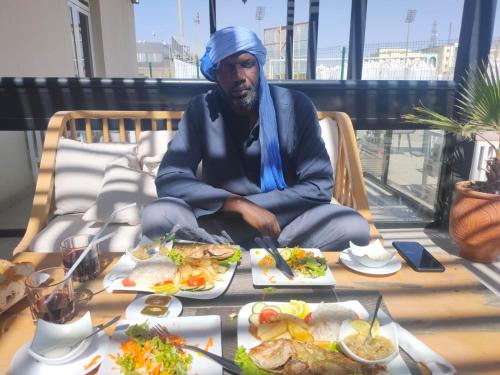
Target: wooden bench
(349, 187)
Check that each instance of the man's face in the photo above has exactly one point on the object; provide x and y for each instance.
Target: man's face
(238, 77)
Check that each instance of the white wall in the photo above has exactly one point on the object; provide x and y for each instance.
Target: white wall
(35, 41)
(113, 35)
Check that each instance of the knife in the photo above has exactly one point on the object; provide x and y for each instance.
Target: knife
(268, 244)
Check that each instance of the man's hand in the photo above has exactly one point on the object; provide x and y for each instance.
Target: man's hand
(262, 220)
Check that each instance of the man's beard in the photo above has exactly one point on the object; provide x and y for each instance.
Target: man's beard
(247, 102)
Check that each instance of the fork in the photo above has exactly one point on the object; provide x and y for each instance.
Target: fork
(227, 364)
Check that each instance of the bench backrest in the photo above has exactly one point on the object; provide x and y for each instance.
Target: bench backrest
(349, 187)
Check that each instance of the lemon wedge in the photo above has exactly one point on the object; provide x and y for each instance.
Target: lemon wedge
(299, 333)
(301, 308)
(362, 326)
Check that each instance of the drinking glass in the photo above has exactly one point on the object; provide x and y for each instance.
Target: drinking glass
(50, 296)
(72, 248)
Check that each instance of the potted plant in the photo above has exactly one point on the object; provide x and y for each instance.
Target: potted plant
(475, 213)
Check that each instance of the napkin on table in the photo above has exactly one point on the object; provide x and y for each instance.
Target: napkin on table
(420, 352)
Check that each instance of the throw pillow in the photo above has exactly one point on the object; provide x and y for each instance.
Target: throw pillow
(153, 143)
(123, 184)
(79, 172)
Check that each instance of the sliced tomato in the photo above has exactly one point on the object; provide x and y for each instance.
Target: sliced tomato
(127, 282)
(308, 318)
(268, 316)
(196, 281)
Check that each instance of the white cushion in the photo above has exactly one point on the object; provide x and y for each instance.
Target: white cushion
(153, 143)
(79, 172)
(330, 135)
(121, 186)
(62, 227)
(151, 164)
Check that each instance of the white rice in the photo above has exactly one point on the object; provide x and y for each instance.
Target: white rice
(149, 273)
(326, 320)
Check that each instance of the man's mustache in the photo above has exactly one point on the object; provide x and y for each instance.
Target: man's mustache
(241, 87)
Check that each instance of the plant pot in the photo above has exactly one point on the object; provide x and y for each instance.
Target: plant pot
(475, 223)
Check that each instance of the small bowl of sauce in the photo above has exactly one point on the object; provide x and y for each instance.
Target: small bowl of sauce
(380, 349)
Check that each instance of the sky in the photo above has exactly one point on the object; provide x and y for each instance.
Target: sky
(157, 20)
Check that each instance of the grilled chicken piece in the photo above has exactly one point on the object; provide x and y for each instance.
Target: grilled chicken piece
(220, 251)
(292, 357)
(198, 251)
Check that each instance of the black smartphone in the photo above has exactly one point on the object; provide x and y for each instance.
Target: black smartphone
(418, 257)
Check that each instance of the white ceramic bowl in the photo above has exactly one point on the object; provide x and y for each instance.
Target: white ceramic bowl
(388, 331)
(155, 249)
(49, 336)
(373, 255)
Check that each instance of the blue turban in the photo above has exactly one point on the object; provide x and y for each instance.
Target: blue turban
(227, 42)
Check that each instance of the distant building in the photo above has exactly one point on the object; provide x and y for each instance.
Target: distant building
(275, 43)
(446, 56)
(166, 60)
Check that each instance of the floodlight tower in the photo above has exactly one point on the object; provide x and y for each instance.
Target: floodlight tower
(410, 17)
(260, 12)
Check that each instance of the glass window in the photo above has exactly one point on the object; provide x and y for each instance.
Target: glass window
(170, 41)
(268, 22)
(401, 169)
(80, 37)
(333, 39)
(411, 40)
(495, 43)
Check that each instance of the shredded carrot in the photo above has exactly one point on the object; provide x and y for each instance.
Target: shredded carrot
(92, 362)
(209, 344)
(266, 262)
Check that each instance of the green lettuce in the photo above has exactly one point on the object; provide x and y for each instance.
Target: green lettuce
(232, 259)
(139, 331)
(176, 257)
(243, 360)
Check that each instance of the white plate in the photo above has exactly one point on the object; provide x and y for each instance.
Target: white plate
(24, 364)
(197, 330)
(274, 277)
(396, 367)
(113, 281)
(393, 266)
(134, 309)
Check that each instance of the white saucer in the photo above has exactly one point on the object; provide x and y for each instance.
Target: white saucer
(24, 364)
(393, 266)
(133, 311)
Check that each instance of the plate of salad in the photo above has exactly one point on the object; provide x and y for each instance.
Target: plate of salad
(136, 349)
(191, 270)
(308, 265)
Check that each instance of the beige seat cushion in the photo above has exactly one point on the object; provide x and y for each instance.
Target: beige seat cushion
(79, 172)
(330, 135)
(61, 227)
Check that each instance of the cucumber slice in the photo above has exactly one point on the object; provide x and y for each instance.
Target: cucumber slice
(286, 254)
(258, 307)
(254, 320)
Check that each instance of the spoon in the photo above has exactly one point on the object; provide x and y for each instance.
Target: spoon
(377, 306)
(64, 350)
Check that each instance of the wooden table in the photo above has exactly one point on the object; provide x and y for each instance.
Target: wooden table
(451, 312)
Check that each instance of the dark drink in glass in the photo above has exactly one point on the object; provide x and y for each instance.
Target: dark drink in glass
(56, 308)
(72, 248)
(51, 295)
